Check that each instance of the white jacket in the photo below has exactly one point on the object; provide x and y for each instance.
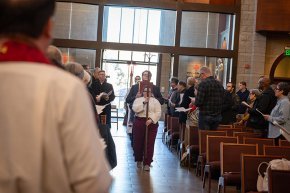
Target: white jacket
(48, 137)
(154, 111)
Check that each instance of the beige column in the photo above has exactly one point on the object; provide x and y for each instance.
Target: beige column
(252, 46)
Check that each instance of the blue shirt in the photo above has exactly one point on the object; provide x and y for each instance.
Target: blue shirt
(280, 113)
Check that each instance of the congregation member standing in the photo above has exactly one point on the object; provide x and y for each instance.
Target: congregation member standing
(280, 112)
(173, 83)
(130, 114)
(104, 94)
(254, 94)
(144, 152)
(49, 140)
(231, 105)
(95, 75)
(264, 104)
(177, 98)
(209, 99)
(243, 93)
(188, 94)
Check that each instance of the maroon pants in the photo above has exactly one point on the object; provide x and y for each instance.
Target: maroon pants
(139, 131)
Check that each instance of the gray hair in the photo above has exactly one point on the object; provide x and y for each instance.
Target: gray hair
(256, 92)
(54, 54)
(75, 68)
(190, 81)
(205, 70)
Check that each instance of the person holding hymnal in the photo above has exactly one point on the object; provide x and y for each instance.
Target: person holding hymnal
(280, 113)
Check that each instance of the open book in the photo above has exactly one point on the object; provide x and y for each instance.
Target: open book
(182, 109)
(246, 104)
(260, 112)
(283, 130)
(104, 94)
(100, 108)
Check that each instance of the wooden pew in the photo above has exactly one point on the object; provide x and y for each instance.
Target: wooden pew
(213, 156)
(202, 148)
(249, 173)
(231, 163)
(284, 143)
(261, 142)
(242, 135)
(278, 181)
(284, 152)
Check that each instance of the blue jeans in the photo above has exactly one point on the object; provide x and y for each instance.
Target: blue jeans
(207, 122)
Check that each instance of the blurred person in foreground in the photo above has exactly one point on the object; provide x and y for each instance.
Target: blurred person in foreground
(41, 148)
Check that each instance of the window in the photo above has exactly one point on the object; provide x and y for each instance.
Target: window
(82, 56)
(76, 21)
(207, 30)
(139, 26)
(220, 67)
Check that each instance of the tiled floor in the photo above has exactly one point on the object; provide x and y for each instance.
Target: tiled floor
(165, 176)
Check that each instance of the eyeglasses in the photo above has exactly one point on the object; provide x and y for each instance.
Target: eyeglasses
(200, 74)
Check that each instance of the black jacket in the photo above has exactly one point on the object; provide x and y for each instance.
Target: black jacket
(265, 103)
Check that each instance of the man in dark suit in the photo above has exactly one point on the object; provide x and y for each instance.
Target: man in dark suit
(104, 95)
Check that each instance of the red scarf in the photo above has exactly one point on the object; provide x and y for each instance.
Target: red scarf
(20, 51)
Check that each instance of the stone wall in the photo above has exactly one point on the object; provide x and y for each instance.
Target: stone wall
(252, 46)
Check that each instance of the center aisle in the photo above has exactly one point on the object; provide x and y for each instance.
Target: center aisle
(165, 176)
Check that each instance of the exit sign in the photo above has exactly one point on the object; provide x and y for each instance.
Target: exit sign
(287, 52)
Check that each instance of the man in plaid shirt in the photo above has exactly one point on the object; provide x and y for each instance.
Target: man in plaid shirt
(209, 99)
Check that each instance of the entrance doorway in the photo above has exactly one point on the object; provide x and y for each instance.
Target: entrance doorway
(121, 68)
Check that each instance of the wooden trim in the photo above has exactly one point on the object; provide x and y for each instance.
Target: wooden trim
(222, 157)
(159, 69)
(82, 44)
(236, 44)
(177, 41)
(170, 5)
(99, 55)
(209, 8)
(274, 66)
